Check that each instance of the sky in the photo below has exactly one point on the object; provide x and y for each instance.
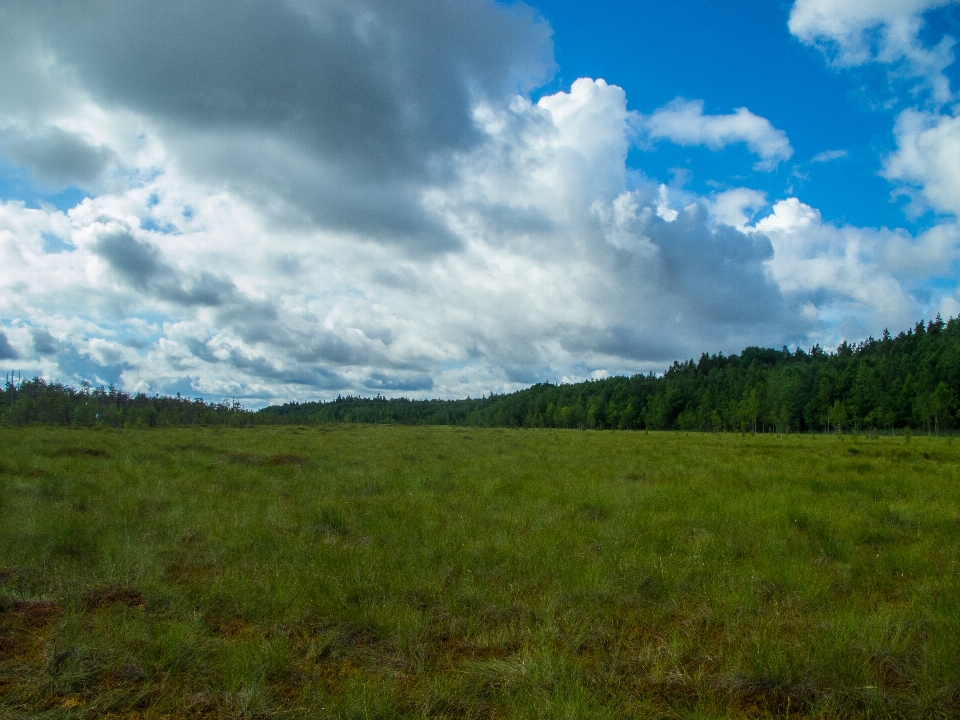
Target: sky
(277, 200)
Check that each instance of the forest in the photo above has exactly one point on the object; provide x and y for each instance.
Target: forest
(910, 380)
(35, 401)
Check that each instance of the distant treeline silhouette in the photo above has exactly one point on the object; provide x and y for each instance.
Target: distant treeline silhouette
(36, 401)
(911, 380)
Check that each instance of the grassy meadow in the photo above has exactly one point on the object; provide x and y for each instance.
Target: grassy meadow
(407, 572)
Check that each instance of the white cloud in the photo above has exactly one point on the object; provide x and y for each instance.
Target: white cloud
(326, 112)
(828, 156)
(882, 272)
(683, 122)
(737, 206)
(932, 254)
(857, 279)
(239, 241)
(886, 31)
(561, 271)
(927, 159)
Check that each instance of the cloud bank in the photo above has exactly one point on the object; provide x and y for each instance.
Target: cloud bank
(302, 198)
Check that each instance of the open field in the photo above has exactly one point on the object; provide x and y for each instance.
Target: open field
(383, 571)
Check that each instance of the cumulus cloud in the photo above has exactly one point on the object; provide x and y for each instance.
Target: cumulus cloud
(321, 110)
(886, 31)
(300, 198)
(58, 158)
(683, 122)
(561, 269)
(7, 351)
(736, 206)
(933, 254)
(140, 264)
(43, 342)
(854, 280)
(925, 165)
(927, 159)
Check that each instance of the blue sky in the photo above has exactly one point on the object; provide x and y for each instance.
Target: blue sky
(743, 54)
(294, 199)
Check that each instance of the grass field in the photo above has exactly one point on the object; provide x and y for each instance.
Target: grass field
(381, 572)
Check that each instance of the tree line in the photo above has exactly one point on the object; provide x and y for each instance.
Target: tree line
(36, 401)
(906, 381)
(910, 380)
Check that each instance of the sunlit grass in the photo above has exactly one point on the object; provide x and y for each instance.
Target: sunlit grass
(375, 572)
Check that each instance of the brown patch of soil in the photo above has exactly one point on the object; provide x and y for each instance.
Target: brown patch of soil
(102, 597)
(20, 623)
(764, 697)
(245, 459)
(10, 576)
(227, 626)
(80, 452)
(284, 459)
(33, 613)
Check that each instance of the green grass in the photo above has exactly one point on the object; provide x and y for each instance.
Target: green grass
(380, 572)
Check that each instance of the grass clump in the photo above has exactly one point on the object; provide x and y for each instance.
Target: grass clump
(383, 571)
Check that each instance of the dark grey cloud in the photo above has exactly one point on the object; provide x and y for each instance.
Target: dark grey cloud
(525, 375)
(259, 367)
(7, 351)
(57, 158)
(303, 370)
(327, 347)
(506, 225)
(255, 321)
(74, 364)
(402, 278)
(716, 275)
(139, 263)
(43, 342)
(686, 286)
(141, 266)
(330, 348)
(344, 110)
(201, 349)
(627, 343)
